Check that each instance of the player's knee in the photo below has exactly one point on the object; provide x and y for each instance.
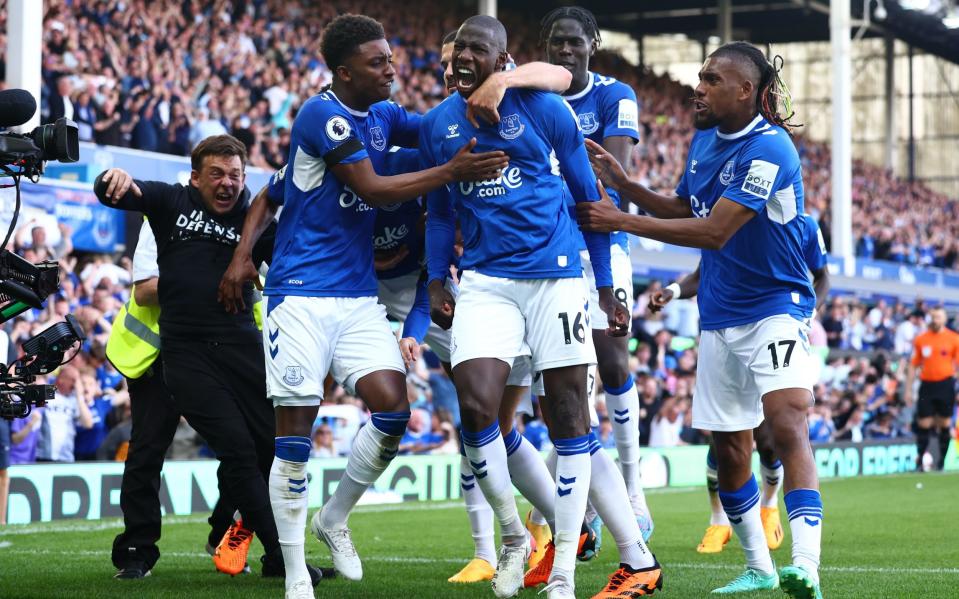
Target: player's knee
(394, 400)
(733, 453)
(789, 433)
(569, 417)
(614, 373)
(476, 412)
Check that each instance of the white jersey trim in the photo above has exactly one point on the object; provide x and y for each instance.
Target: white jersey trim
(347, 108)
(586, 90)
(744, 131)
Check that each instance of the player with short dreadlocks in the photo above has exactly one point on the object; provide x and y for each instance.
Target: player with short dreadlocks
(741, 201)
(608, 115)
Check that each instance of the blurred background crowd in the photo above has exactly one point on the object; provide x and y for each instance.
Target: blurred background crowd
(160, 76)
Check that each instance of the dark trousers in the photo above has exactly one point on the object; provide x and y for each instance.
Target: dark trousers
(221, 390)
(155, 419)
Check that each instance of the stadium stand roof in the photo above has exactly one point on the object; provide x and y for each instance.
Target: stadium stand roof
(762, 22)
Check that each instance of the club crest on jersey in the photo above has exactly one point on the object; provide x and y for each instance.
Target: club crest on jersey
(511, 127)
(377, 139)
(337, 128)
(293, 376)
(727, 173)
(588, 122)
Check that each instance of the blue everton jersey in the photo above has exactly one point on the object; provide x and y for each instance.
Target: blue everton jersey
(761, 271)
(516, 226)
(814, 246)
(607, 108)
(401, 225)
(323, 238)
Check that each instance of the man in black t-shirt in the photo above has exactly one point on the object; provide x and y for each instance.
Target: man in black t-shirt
(212, 359)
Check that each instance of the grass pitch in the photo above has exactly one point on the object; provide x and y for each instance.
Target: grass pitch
(892, 536)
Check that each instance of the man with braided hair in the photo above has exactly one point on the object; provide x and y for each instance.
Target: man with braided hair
(741, 201)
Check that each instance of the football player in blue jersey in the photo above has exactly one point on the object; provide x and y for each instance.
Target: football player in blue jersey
(719, 532)
(521, 293)
(322, 313)
(741, 201)
(608, 114)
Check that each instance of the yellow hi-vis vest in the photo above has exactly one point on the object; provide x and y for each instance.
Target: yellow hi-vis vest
(134, 341)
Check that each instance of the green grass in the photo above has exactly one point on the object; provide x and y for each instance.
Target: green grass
(883, 537)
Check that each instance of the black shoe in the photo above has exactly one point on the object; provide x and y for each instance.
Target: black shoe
(273, 567)
(132, 571)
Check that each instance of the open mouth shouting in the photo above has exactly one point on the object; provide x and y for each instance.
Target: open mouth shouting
(223, 200)
(465, 78)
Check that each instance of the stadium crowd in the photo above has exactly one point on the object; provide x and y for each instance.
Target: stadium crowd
(161, 76)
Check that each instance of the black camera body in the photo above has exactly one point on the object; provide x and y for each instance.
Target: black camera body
(59, 141)
(43, 353)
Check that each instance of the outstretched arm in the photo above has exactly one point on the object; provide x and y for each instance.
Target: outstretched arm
(382, 191)
(710, 233)
(608, 167)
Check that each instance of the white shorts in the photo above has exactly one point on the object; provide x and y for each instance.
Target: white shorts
(739, 365)
(538, 389)
(622, 268)
(505, 318)
(397, 296)
(305, 338)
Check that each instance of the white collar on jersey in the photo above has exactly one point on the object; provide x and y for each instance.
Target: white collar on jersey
(739, 134)
(586, 90)
(348, 109)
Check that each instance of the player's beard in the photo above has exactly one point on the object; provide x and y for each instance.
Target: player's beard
(704, 121)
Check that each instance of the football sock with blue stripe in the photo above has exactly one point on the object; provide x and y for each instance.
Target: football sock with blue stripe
(804, 507)
(742, 509)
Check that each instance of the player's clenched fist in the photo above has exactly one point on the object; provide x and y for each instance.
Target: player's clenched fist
(659, 299)
(617, 317)
(602, 216)
(442, 305)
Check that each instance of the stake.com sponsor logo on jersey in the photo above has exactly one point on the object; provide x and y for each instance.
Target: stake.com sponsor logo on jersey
(510, 179)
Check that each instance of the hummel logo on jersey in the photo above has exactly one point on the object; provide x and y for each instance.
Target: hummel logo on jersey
(692, 166)
(511, 127)
(453, 131)
(510, 179)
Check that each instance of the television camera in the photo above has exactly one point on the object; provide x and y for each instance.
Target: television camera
(24, 285)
